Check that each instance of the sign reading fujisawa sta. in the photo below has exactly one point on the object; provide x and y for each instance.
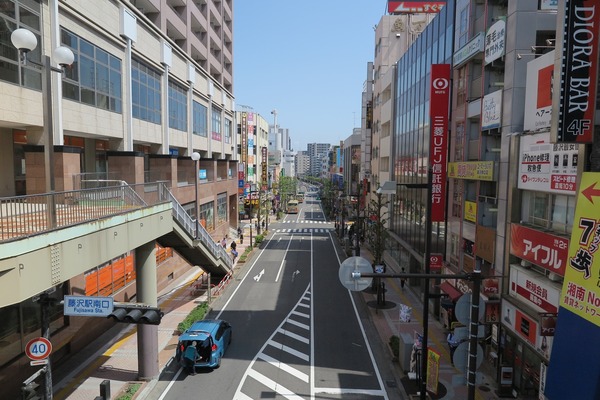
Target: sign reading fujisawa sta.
(90, 306)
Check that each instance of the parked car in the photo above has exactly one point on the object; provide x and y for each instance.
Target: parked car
(212, 337)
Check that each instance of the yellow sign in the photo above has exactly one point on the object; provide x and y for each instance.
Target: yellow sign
(433, 371)
(477, 170)
(471, 211)
(581, 287)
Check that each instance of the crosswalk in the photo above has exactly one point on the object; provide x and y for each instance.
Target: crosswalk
(304, 230)
(307, 221)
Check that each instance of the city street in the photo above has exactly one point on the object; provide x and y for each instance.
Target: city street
(297, 332)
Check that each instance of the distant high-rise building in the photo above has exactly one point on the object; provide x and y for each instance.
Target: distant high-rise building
(316, 151)
(302, 163)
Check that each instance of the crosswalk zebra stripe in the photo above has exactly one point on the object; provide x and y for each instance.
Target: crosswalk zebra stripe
(274, 386)
(298, 324)
(294, 336)
(284, 367)
(289, 350)
(300, 314)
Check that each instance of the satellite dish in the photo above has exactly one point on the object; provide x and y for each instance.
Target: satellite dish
(462, 310)
(355, 264)
(461, 356)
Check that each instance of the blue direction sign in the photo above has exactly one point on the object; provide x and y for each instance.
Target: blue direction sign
(90, 306)
(240, 183)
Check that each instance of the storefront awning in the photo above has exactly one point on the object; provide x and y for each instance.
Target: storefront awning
(453, 292)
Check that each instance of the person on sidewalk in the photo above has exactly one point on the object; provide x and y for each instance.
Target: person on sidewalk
(190, 355)
(453, 344)
(234, 250)
(402, 280)
(224, 243)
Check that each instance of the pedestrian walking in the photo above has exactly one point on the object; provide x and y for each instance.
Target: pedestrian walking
(402, 280)
(234, 252)
(453, 343)
(224, 243)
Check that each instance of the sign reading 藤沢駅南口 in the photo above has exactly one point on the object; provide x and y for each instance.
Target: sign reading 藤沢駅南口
(90, 306)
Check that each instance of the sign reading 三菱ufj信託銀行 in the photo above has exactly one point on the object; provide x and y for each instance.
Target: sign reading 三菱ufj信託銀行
(581, 287)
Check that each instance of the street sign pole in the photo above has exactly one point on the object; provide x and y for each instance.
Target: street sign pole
(474, 277)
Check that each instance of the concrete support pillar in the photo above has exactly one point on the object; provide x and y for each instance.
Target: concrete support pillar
(145, 266)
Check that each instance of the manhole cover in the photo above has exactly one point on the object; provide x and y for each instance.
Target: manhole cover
(391, 383)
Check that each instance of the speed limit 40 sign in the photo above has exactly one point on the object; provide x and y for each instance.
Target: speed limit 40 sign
(38, 348)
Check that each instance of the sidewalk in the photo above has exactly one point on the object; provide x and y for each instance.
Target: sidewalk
(452, 382)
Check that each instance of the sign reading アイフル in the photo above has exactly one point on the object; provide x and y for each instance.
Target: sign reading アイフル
(581, 288)
(90, 306)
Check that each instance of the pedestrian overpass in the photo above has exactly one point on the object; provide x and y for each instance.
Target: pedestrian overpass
(48, 239)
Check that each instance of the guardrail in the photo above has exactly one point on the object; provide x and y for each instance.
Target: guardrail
(24, 216)
(193, 227)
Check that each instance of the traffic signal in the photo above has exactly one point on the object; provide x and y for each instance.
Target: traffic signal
(29, 391)
(132, 313)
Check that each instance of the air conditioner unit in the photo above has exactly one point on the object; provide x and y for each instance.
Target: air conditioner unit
(525, 264)
(554, 277)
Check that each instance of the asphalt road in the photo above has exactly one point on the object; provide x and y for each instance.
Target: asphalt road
(297, 333)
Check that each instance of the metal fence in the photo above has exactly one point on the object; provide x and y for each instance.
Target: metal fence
(25, 216)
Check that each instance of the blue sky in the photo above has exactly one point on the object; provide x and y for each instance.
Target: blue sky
(308, 60)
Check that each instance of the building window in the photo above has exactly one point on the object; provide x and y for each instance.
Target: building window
(200, 120)
(227, 131)
(536, 208)
(563, 213)
(463, 27)
(177, 107)
(216, 124)
(15, 14)
(94, 78)
(207, 216)
(221, 208)
(146, 93)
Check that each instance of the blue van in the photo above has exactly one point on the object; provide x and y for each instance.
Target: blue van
(212, 337)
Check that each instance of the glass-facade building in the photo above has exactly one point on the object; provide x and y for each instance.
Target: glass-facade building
(411, 141)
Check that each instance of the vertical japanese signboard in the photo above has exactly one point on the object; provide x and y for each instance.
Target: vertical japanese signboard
(581, 288)
(579, 71)
(438, 147)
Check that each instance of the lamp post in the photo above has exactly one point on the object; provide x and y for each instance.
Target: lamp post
(196, 158)
(25, 41)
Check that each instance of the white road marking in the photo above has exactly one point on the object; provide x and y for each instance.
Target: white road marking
(298, 324)
(274, 386)
(288, 350)
(283, 259)
(259, 275)
(261, 378)
(362, 329)
(284, 367)
(300, 314)
(293, 335)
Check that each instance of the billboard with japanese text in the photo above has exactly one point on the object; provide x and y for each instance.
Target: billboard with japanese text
(540, 248)
(547, 167)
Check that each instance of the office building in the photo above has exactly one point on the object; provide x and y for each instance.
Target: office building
(150, 86)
